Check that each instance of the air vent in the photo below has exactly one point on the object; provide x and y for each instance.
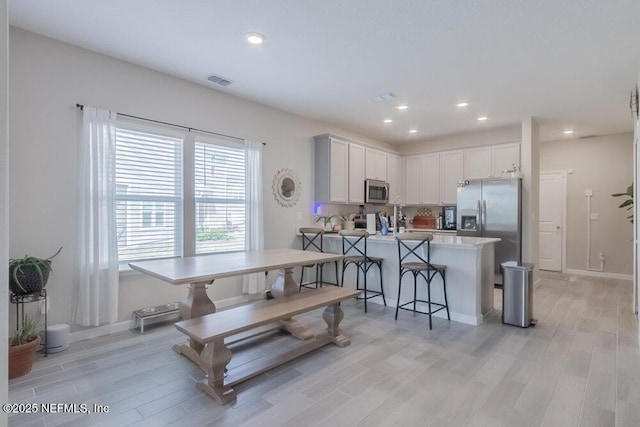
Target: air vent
(219, 80)
(385, 97)
(588, 136)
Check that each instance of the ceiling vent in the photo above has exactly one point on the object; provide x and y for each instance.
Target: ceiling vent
(385, 97)
(219, 80)
(588, 136)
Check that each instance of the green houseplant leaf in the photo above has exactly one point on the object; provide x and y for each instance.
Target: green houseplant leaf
(628, 204)
(28, 331)
(29, 274)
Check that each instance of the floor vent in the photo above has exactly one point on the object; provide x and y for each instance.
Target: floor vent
(219, 80)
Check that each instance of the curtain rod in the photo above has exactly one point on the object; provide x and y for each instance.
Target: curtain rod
(81, 107)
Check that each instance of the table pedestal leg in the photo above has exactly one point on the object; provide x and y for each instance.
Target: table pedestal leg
(214, 359)
(196, 304)
(333, 315)
(285, 285)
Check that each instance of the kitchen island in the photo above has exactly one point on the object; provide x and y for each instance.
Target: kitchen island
(470, 273)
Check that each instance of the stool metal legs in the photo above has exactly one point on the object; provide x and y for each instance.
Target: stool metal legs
(364, 268)
(428, 278)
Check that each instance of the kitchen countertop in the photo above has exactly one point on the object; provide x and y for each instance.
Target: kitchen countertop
(438, 239)
(432, 230)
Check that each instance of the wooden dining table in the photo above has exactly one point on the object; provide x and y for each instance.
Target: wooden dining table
(198, 272)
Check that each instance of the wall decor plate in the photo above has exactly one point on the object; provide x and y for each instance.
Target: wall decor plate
(286, 187)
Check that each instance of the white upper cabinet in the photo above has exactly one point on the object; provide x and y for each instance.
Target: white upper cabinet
(414, 167)
(451, 171)
(477, 163)
(431, 179)
(504, 157)
(332, 168)
(422, 179)
(489, 162)
(394, 177)
(376, 164)
(356, 173)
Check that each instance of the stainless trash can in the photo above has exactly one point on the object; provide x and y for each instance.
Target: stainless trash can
(517, 294)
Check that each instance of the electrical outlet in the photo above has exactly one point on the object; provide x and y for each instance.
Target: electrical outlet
(43, 305)
(595, 216)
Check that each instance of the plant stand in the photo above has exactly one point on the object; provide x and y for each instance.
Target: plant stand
(19, 301)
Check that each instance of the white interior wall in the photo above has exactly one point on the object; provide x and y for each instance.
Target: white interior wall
(605, 165)
(465, 140)
(4, 209)
(51, 77)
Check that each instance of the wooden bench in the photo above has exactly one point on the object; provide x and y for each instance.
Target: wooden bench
(211, 330)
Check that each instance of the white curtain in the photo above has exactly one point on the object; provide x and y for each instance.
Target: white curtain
(254, 232)
(97, 256)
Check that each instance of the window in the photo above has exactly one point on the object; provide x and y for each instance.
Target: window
(148, 195)
(220, 198)
(150, 169)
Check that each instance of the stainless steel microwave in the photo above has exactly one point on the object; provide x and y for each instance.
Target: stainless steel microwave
(376, 191)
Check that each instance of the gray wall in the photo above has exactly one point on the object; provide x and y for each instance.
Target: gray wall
(604, 165)
(51, 77)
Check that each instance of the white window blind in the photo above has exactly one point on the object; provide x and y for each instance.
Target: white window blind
(220, 197)
(149, 201)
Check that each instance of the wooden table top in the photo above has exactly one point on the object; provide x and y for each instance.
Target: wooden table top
(205, 268)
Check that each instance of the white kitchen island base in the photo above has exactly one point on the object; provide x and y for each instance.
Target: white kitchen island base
(470, 274)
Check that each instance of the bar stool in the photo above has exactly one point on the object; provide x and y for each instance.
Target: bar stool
(312, 240)
(412, 262)
(361, 260)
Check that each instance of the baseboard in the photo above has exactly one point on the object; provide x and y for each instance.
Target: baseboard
(457, 317)
(602, 274)
(100, 331)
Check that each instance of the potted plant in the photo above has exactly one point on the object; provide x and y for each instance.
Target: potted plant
(348, 221)
(627, 203)
(22, 348)
(29, 275)
(326, 221)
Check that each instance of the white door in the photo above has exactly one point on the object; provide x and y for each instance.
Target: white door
(551, 221)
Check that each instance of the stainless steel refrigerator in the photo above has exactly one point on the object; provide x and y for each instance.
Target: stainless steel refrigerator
(492, 208)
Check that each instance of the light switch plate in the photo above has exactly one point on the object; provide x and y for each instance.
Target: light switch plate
(595, 216)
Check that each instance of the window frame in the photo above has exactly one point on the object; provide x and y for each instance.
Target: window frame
(185, 244)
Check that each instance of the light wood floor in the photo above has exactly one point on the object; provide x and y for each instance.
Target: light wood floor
(579, 366)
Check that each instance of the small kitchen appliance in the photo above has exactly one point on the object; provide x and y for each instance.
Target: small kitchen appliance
(376, 191)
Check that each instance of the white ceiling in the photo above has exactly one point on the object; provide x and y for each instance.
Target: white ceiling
(567, 63)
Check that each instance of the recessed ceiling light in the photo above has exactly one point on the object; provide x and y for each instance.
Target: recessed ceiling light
(387, 120)
(413, 130)
(483, 118)
(402, 107)
(568, 132)
(462, 104)
(255, 38)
